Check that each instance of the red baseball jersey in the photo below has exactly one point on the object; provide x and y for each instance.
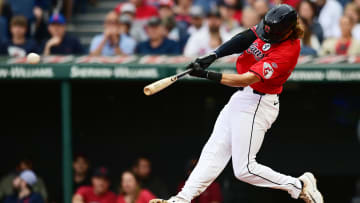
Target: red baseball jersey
(272, 63)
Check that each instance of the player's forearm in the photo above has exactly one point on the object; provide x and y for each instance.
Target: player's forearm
(237, 44)
(236, 80)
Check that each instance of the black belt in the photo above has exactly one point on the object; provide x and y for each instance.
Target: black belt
(255, 92)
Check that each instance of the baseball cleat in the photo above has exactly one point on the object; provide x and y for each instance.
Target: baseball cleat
(171, 200)
(310, 193)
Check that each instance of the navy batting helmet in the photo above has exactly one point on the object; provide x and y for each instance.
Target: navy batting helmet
(277, 22)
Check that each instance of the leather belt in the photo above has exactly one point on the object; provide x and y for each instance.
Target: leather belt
(254, 91)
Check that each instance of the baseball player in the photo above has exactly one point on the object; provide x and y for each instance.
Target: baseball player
(268, 54)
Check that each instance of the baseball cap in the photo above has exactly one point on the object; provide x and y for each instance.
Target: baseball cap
(154, 21)
(125, 19)
(197, 11)
(28, 176)
(227, 5)
(57, 18)
(214, 13)
(168, 3)
(102, 172)
(128, 7)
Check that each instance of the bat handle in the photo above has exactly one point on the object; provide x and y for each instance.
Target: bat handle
(187, 71)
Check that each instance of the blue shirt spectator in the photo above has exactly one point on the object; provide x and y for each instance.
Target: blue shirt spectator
(113, 41)
(32, 198)
(126, 44)
(26, 7)
(61, 43)
(68, 46)
(158, 43)
(8, 47)
(23, 185)
(166, 47)
(18, 45)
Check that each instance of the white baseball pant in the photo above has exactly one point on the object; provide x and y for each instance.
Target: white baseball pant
(238, 133)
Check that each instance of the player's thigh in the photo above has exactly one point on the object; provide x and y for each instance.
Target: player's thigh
(220, 139)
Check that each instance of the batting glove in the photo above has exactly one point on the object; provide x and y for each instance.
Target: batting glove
(206, 61)
(197, 71)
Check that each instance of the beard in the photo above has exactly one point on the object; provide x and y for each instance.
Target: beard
(214, 29)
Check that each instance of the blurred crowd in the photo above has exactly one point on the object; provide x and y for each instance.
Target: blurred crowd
(173, 27)
(90, 185)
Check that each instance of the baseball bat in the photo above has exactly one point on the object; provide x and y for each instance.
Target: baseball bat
(159, 85)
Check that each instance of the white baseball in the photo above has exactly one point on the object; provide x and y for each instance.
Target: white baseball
(33, 58)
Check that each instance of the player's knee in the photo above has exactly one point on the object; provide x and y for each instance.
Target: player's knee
(246, 172)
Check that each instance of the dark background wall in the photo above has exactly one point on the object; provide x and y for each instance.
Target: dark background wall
(113, 123)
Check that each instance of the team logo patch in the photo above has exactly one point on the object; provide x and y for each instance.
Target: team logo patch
(267, 70)
(266, 47)
(267, 28)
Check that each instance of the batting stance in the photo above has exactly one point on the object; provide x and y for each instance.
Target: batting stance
(268, 55)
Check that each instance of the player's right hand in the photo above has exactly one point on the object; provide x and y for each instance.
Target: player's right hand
(206, 61)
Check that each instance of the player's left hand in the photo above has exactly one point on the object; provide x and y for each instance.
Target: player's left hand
(197, 70)
(206, 61)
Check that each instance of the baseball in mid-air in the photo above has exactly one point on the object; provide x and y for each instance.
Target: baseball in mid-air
(33, 58)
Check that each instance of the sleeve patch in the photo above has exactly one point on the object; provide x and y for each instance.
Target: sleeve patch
(267, 70)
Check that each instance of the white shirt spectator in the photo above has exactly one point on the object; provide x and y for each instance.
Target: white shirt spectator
(329, 17)
(355, 32)
(192, 29)
(199, 42)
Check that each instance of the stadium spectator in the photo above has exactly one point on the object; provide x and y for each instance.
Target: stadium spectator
(237, 5)
(23, 186)
(345, 45)
(310, 45)
(307, 11)
(329, 16)
(208, 39)
(166, 14)
(353, 11)
(60, 42)
(112, 42)
(98, 192)
(261, 7)
(250, 18)
(137, 30)
(26, 7)
(182, 11)
(206, 5)
(227, 12)
(5, 16)
(143, 10)
(125, 23)
(130, 190)
(143, 171)
(176, 31)
(6, 182)
(81, 172)
(158, 42)
(197, 20)
(18, 45)
(211, 195)
(35, 11)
